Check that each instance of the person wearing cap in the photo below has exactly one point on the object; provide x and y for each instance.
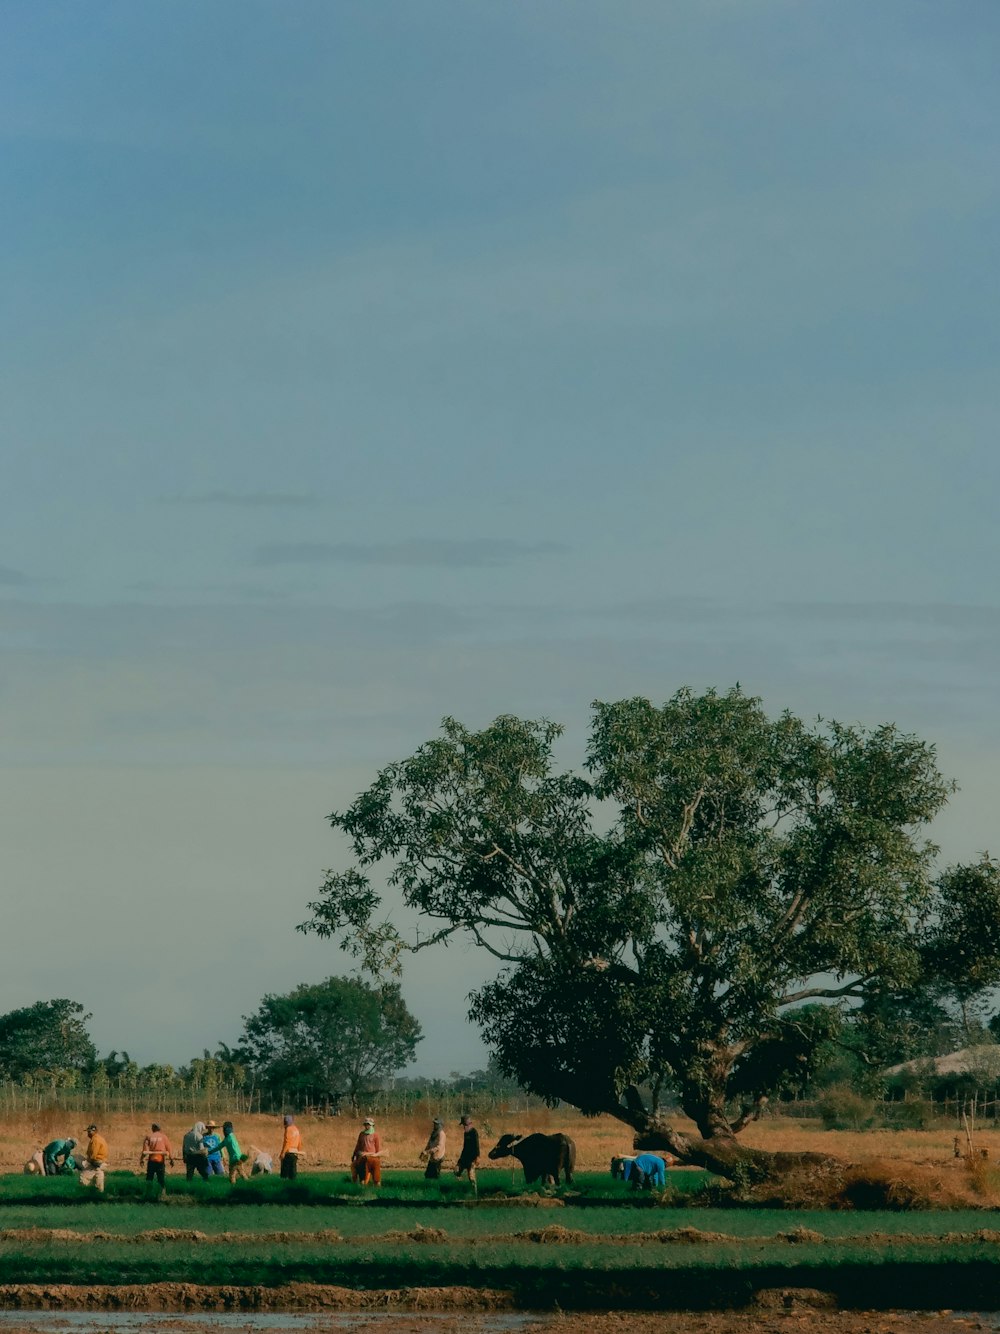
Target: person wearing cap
(468, 1159)
(433, 1151)
(57, 1157)
(211, 1142)
(155, 1152)
(366, 1160)
(96, 1160)
(291, 1147)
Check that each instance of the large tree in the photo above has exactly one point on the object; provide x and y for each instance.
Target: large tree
(664, 918)
(49, 1037)
(327, 1040)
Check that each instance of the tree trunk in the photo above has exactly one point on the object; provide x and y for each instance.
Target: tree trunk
(717, 1150)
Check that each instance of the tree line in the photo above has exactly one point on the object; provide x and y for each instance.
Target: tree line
(321, 1045)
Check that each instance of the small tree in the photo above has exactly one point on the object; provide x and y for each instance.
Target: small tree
(662, 920)
(48, 1037)
(326, 1040)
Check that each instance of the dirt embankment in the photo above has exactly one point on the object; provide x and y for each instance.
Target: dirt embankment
(460, 1310)
(553, 1235)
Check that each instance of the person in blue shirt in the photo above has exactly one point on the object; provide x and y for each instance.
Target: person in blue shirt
(216, 1167)
(645, 1172)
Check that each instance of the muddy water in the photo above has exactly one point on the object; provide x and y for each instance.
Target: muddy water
(151, 1322)
(800, 1320)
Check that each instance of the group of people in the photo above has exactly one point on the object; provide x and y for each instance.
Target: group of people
(433, 1153)
(58, 1158)
(206, 1153)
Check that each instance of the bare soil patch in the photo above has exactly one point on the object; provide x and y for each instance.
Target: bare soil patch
(455, 1311)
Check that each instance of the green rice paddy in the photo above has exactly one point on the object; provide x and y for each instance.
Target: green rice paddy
(598, 1244)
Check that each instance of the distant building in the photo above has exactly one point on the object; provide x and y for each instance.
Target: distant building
(983, 1060)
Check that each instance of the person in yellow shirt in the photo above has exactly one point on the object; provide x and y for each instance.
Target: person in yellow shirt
(291, 1147)
(96, 1160)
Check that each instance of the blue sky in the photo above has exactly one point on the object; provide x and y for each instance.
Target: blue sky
(369, 362)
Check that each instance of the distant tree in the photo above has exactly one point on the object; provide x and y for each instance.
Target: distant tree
(329, 1040)
(225, 1068)
(663, 918)
(120, 1068)
(48, 1037)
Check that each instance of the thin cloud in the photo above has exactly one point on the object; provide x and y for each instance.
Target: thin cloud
(246, 499)
(473, 553)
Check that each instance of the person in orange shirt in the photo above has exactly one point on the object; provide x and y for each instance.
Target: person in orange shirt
(155, 1151)
(96, 1160)
(366, 1160)
(291, 1147)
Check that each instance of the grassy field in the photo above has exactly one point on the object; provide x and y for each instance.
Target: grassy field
(587, 1275)
(336, 1188)
(596, 1245)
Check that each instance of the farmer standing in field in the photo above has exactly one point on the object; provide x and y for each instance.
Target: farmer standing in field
(291, 1147)
(237, 1159)
(194, 1152)
(433, 1151)
(155, 1151)
(212, 1141)
(366, 1160)
(96, 1160)
(469, 1158)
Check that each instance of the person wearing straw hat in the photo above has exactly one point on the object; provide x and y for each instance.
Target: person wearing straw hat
(211, 1142)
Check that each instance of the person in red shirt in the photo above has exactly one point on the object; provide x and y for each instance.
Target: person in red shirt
(291, 1147)
(155, 1151)
(366, 1160)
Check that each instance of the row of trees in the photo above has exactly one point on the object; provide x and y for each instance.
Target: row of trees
(318, 1045)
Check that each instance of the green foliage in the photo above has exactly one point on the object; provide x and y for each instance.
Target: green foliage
(331, 1039)
(47, 1038)
(663, 919)
(841, 1108)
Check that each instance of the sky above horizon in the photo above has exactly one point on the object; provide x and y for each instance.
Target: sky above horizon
(366, 363)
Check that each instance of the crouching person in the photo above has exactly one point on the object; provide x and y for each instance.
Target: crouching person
(35, 1166)
(96, 1161)
(263, 1163)
(57, 1158)
(646, 1172)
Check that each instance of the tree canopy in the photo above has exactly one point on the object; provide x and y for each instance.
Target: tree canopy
(329, 1040)
(48, 1037)
(664, 917)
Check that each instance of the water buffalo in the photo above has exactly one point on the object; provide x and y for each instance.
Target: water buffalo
(542, 1156)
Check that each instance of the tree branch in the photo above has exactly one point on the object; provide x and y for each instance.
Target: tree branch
(853, 988)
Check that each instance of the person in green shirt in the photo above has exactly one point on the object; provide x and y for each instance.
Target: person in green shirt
(237, 1159)
(58, 1157)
